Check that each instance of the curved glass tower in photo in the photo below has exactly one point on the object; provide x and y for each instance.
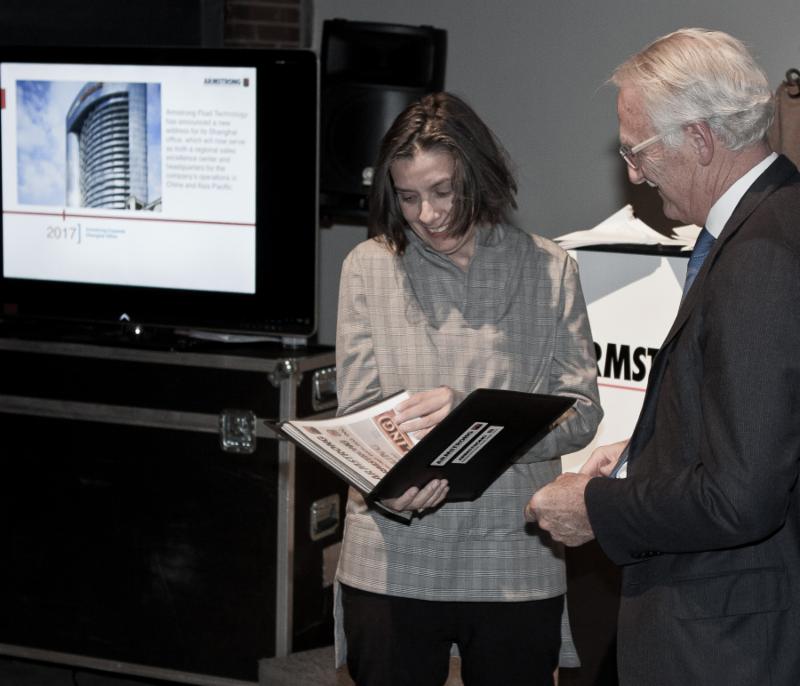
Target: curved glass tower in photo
(107, 146)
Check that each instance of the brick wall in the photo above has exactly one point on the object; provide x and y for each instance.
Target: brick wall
(268, 23)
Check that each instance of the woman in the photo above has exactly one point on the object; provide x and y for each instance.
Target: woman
(447, 297)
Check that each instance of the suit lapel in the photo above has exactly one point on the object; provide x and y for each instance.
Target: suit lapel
(775, 176)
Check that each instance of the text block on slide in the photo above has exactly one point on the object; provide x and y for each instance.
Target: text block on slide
(632, 299)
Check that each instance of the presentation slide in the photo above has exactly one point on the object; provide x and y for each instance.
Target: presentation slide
(129, 175)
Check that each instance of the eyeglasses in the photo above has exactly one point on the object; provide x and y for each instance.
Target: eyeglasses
(630, 154)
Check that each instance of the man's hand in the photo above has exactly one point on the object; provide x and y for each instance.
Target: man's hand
(560, 509)
(603, 459)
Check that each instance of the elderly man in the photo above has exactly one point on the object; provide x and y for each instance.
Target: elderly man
(702, 506)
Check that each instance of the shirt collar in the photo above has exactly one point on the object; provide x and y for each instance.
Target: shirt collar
(722, 210)
(485, 235)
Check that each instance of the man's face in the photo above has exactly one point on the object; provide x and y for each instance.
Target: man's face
(669, 170)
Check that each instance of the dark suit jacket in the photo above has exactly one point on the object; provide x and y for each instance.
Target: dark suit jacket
(707, 524)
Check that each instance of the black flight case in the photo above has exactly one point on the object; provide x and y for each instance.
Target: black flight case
(151, 524)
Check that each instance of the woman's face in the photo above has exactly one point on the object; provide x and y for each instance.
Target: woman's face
(424, 187)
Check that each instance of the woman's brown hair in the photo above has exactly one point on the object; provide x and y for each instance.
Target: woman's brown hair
(483, 184)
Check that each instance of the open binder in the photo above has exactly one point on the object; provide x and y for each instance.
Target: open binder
(470, 447)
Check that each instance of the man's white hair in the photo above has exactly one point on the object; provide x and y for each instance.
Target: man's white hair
(695, 75)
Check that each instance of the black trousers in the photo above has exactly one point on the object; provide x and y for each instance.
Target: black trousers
(395, 641)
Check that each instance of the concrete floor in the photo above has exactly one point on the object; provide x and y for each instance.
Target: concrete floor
(309, 669)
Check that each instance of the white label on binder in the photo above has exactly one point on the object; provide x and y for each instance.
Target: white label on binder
(458, 444)
(477, 445)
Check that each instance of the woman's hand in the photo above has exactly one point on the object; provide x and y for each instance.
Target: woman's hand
(424, 410)
(418, 415)
(417, 500)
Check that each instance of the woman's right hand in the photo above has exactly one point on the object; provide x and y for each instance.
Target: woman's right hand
(424, 410)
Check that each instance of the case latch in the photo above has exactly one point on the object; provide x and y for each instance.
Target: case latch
(323, 392)
(237, 431)
(324, 517)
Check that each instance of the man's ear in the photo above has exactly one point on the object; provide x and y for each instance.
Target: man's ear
(702, 141)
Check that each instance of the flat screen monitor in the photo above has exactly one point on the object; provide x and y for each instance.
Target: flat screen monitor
(168, 188)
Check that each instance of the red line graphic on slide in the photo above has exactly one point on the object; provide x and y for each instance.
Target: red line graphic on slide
(118, 217)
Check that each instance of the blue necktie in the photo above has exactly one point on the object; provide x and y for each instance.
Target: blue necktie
(701, 249)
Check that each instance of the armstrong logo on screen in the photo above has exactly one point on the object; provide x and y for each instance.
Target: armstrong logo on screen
(209, 81)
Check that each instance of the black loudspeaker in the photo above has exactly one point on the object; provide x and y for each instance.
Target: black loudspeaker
(369, 73)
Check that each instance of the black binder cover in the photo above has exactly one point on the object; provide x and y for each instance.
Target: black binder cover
(505, 424)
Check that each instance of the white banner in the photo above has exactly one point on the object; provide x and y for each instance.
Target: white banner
(632, 300)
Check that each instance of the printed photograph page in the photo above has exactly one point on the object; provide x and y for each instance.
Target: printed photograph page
(129, 175)
(366, 443)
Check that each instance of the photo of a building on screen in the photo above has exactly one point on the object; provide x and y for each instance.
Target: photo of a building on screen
(88, 144)
(107, 148)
